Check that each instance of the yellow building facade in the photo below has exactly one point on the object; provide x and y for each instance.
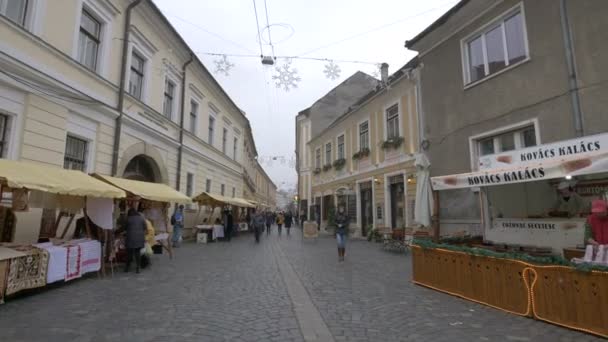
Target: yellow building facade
(110, 87)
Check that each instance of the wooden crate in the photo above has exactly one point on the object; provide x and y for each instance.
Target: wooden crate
(499, 283)
(571, 298)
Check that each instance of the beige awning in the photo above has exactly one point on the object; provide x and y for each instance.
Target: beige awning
(214, 200)
(241, 202)
(55, 180)
(146, 190)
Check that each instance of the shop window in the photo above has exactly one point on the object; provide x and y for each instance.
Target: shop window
(509, 141)
(75, 154)
(15, 10)
(136, 80)
(500, 45)
(89, 40)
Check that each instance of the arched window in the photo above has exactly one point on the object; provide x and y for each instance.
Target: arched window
(142, 168)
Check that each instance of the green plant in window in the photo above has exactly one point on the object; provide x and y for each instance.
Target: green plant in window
(339, 163)
(392, 143)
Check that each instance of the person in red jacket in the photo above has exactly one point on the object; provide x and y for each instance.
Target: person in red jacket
(596, 230)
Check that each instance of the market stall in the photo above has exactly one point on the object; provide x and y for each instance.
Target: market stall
(535, 209)
(156, 199)
(26, 185)
(208, 227)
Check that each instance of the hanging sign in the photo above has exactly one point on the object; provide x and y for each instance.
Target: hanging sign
(545, 153)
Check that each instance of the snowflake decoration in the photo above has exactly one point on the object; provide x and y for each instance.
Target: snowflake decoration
(332, 70)
(287, 78)
(376, 72)
(223, 65)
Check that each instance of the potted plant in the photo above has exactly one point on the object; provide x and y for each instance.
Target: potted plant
(364, 152)
(339, 163)
(316, 171)
(327, 167)
(392, 143)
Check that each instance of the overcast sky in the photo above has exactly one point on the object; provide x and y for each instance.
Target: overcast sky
(369, 31)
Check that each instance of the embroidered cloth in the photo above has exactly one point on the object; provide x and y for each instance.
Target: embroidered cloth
(29, 271)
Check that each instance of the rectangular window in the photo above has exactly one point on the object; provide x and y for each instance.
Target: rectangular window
(136, 81)
(224, 140)
(340, 147)
(328, 154)
(364, 136)
(193, 117)
(15, 10)
(318, 158)
(223, 189)
(211, 129)
(168, 102)
(392, 122)
(500, 45)
(508, 141)
(235, 147)
(75, 154)
(88, 40)
(3, 135)
(208, 186)
(233, 192)
(189, 184)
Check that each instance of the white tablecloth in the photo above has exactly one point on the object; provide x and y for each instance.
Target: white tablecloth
(218, 232)
(90, 256)
(58, 255)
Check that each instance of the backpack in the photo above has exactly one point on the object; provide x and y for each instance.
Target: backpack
(173, 219)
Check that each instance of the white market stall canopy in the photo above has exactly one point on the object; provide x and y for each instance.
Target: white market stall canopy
(586, 155)
(146, 190)
(54, 180)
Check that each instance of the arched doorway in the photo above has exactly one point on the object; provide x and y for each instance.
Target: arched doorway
(142, 168)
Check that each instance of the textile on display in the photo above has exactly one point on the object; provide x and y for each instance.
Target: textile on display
(90, 260)
(73, 262)
(20, 200)
(3, 275)
(100, 211)
(218, 231)
(58, 255)
(29, 271)
(155, 215)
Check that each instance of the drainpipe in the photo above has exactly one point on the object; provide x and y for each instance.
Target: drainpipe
(572, 77)
(181, 124)
(121, 90)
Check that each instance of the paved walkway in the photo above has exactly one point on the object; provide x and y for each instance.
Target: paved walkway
(283, 289)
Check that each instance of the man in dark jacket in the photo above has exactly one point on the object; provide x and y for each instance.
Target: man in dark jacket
(135, 238)
(259, 220)
(228, 225)
(341, 221)
(269, 221)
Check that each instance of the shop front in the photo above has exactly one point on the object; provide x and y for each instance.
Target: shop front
(532, 259)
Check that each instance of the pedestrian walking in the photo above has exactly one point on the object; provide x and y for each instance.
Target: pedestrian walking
(288, 221)
(280, 221)
(177, 220)
(259, 220)
(135, 238)
(228, 225)
(269, 221)
(341, 221)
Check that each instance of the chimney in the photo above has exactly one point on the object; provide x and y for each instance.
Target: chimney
(384, 73)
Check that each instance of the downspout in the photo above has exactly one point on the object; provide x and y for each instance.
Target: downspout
(181, 124)
(121, 89)
(572, 77)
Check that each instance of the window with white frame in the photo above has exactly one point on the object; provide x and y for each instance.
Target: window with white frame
(75, 154)
(211, 130)
(364, 135)
(235, 147)
(168, 99)
(136, 80)
(318, 158)
(508, 141)
(224, 140)
(89, 40)
(233, 192)
(392, 121)
(189, 184)
(501, 44)
(340, 147)
(15, 10)
(222, 189)
(4, 122)
(208, 186)
(193, 116)
(328, 153)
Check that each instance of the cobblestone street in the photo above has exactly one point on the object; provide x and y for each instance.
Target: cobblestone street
(283, 289)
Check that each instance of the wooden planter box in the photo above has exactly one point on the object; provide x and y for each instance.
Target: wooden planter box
(498, 283)
(571, 298)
